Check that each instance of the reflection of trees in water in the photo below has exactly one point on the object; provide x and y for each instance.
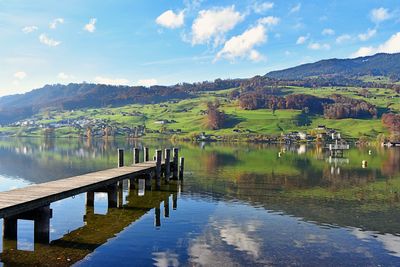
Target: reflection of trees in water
(213, 160)
(345, 178)
(391, 166)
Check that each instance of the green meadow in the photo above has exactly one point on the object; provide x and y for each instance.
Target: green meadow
(186, 118)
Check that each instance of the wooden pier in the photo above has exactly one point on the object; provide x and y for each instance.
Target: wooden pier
(33, 202)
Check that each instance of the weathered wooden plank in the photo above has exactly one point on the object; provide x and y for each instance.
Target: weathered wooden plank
(23, 199)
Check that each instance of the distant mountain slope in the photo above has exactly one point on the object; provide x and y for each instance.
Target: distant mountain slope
(87, 95)
(376, 65)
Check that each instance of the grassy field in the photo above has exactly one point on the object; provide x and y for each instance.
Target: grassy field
(188, 116)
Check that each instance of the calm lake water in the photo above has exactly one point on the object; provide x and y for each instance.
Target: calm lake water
(239, 205)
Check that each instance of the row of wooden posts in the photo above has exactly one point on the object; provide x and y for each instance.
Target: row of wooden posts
(175, 168)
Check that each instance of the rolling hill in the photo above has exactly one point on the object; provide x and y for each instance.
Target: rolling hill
(86, 95)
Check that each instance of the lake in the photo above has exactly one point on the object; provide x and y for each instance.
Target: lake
(238, 205)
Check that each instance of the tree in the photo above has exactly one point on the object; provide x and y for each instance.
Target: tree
(215, 118)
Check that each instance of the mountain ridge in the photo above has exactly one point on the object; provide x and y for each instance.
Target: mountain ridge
(381, 64)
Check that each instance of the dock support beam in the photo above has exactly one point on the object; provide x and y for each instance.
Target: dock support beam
(136, 155)
(112, 193)
(157, 217)
(146, 155)
(175, 163)
(10, 228)
(167, 164)
(181, 167)
(158, 168)
(90, 198)
(166, 207)
(120, 157)
(42, 225)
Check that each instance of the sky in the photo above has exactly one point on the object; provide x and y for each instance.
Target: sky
(147, 42)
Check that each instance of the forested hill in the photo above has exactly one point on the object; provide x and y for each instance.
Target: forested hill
(332, 72)
(87, 95)
(377, 65)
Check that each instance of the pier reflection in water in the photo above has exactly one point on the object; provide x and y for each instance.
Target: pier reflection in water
(241, 204)
(97, 228)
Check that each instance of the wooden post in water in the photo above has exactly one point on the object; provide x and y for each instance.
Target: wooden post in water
(158, 167)
(90, 199)
(120, 157)
(10, 228)
(181, 167)
(167, 164)
(146, 154)
(42, 225)
(112, 194)
(174, 201)
(136, 155)
(157, 217)
(166, 207)
(120, 194)
(175, 163)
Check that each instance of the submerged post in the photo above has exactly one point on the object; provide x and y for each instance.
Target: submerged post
(120, 157)
(167, 164)
(166, 207)
(112, 194)
(157, 217)
(10, 228)
(181, 167)
(146, 154)
(158, 167)
(42, 225)
(90, 199)
(136, 154)
(175, 163)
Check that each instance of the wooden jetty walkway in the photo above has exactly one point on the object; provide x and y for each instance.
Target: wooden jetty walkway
(33, 202)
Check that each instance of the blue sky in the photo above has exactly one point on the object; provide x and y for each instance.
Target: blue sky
(170, 41)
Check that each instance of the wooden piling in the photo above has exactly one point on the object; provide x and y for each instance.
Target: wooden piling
(90, 198)
(167, 164)
(158, 167)
(112, 196)
(166, 207)
(120, 157)
(136, 155)
(181, 167)
(10, 228)
(42, 225)
(157, 217)
(146, 154)
(175, 163)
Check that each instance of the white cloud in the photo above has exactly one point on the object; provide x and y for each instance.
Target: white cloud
(302, 39)
(147, 82)
(111, 81)
(328, 31)
(48, 41)
(343, 38)
(270, 21)
(91, 26)
(64, 76)
(55, 22)
(29, 29)
(20, 75)
(366, 36)
(295, 8)
(171, 20)
(390, 46)
(380, 14)
(318, 46)
(243, 45)
(213, 24)
(262, 7)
